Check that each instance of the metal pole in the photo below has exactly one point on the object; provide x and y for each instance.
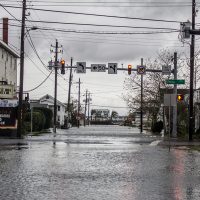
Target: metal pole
(55, 89)
(174, 132)
(69, 92)
(141, 113)
(31, 120)
(20, 107)
(88, 109)
(192, 48)
(85, 108)
(79, 88)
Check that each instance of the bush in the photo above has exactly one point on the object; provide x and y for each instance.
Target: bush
(157, 127)
(48, 116)
(38, 121)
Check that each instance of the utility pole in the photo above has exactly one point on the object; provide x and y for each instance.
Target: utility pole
(69, 92)
(192, 48)
(85, 107)
(79, 95)
(55, 88)
(174, 132)
(20, 107)
(141, 111)
(88, 108)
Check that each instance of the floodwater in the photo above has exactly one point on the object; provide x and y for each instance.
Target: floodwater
(98, 163)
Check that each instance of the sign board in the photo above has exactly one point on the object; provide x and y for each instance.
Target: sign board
(8, 117)
(141, 69)
(6, 91)
(173, 81)
(8, 103)
(98, 67)
(112, 68)
(81, 67)
(166, 69)
(169, 99)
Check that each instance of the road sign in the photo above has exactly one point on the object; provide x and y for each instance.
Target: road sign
(141, 69)
(173, 81)
(98, 67)
(81, 67)
(166, 69)
(169, 99)
(112, 68)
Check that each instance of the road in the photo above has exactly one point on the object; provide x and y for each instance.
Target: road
(97, 163)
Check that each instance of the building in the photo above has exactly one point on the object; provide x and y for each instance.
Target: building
(8, 66)
(8, 86)
(47, 101)
(100, 114)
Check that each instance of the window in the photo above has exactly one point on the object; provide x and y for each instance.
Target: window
(58, 118)
(2, 55)
(11, 62)
(15, 64)
(58, 108)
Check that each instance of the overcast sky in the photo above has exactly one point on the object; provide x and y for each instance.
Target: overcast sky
(120, 47)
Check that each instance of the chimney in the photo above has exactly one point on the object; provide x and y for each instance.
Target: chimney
(5, 30)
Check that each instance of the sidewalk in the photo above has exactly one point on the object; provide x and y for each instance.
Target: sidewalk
(178, 142)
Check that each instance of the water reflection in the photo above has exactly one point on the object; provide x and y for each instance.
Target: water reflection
(120, 169)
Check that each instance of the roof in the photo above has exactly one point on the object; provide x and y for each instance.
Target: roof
(47, 96)
(9, 49)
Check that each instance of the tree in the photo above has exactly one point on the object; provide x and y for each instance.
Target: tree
(114, 114)
(152, 84)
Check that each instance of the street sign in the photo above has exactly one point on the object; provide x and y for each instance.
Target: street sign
(169, 99)
(141, 69)
(98, 67)
(166, 69)
(173, 81)
(112, 68)
(81, 67)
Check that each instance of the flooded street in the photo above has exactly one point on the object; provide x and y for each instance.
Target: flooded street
(97, 163)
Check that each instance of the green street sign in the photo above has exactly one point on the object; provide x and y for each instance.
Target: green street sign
(172, 81)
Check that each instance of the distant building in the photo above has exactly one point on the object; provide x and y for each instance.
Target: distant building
(47, 101)
(100, 114)
(8, 65)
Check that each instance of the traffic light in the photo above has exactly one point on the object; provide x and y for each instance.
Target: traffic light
(129, 69)
(62, 62)
(180, 97)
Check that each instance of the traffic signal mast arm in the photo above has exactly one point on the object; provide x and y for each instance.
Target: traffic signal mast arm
(121, 69)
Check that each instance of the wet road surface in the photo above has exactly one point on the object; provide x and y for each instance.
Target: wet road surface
(97, 163)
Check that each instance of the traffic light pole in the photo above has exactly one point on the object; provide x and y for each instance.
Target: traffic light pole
(79, 95)
(85, 107)
(174, 130)
(69, 92)
(141, 111)
(192, 47)
(55, 89)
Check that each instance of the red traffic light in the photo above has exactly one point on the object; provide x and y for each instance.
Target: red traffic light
(129, 69)
(180, 97)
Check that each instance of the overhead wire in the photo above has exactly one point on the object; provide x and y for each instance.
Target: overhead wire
(97, 15)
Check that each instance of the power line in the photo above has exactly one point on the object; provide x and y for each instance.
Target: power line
(40, 83)
(101, 25)
(97, 15)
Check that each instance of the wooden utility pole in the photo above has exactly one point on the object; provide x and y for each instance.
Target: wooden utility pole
(20, 107)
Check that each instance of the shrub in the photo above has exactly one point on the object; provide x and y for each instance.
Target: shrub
(48, 116)
(157, 127)
(38, 121)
